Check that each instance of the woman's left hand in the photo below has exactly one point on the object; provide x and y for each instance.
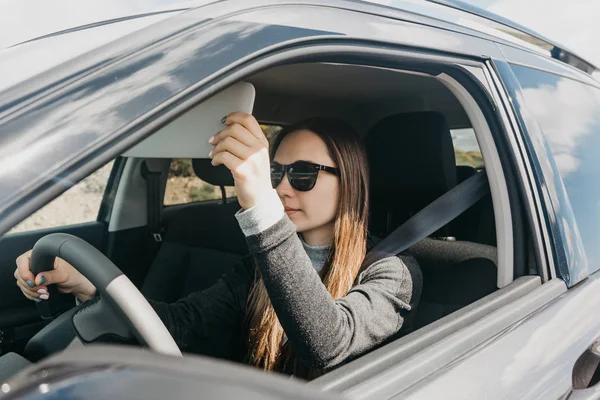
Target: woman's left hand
(244, 149)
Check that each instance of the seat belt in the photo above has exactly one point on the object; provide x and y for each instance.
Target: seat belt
(437, 214)
(154, 206)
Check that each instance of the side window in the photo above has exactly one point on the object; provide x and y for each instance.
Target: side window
(466, 149)
(568, 113)
(77, 205)
(270, 131)
(183, 186)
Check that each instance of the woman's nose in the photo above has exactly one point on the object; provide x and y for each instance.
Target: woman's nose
(284, 189)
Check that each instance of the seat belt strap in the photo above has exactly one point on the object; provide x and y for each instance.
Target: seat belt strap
(154, 206)
(436, 215)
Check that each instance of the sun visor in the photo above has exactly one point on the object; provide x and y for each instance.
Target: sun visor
(187, 136)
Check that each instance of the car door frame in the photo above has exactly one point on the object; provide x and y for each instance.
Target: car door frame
(428, 375)
(393, 369)
(571, 266)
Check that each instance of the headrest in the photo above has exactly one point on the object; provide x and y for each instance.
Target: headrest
(412, 163)
(217, 176)
(464, 172)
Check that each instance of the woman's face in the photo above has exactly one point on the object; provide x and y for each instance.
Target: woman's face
(312, 212)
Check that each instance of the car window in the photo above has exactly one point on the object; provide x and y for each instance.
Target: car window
(183, 186)
(568, 113)
(270, 130)
(466, 149)
(79, 204)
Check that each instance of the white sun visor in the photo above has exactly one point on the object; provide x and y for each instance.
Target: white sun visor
(187, 136)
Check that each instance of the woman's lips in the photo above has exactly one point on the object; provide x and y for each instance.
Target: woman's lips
(290, 211)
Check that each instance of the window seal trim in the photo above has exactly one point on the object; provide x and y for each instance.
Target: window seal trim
(493, 164)
(110, 191)
(541, 236)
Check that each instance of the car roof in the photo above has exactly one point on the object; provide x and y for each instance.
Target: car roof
(534, 37)
(485, 22)
(454, 12)
(82, 17)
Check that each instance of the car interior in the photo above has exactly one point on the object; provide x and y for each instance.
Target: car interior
(407, 120)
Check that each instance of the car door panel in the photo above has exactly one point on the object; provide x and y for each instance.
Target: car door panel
(536, 356)
(533, 359)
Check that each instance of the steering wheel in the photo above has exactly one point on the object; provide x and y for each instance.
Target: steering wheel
(119, 310)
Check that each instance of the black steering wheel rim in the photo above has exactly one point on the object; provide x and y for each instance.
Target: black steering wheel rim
(115, 289)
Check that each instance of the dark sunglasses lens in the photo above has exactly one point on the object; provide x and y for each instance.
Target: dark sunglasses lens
(276, 175)
(303, 176)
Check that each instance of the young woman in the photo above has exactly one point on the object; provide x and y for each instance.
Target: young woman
(301, 302)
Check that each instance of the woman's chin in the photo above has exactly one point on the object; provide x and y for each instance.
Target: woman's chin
(299, 225)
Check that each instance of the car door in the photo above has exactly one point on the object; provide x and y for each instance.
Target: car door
(558, 107)
(81, 211)
(545, 344)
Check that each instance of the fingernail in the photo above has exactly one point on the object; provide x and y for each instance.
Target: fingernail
(43, 280)
(224, 119)
(212, 138)
(30, 284)
(42, 291)
(44, 296)
(210, 154)
(37, 300)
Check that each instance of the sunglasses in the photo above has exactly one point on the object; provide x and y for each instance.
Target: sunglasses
(302, 175)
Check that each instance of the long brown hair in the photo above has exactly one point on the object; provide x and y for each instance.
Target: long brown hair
(347, 250)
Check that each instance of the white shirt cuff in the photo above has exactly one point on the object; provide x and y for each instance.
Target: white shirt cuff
(262, 216)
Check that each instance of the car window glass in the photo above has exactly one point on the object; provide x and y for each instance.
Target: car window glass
(79, 204)
(568, 113)
(183, 186)
(270, 130)
(466, 149)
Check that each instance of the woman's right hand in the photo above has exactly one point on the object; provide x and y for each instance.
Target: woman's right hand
(64, 275)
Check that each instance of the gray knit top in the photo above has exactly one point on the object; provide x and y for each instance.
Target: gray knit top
(324, 332)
